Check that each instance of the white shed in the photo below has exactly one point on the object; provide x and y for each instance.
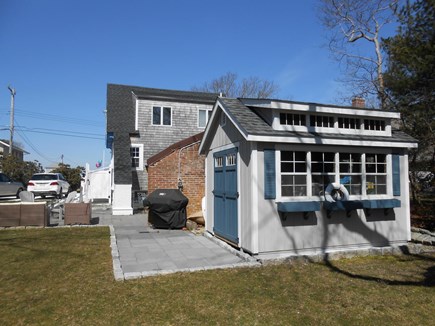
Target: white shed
(285, 177)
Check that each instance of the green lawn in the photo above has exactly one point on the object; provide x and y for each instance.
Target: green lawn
(64, 277)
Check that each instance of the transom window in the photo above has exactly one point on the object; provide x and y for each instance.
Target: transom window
(321, 121)
(292, 119)
(203, 117)
(219, 162)
(293, 173)
(376, 174)
(349, 123)
(374, 124)
(162, 116)
(231, 159)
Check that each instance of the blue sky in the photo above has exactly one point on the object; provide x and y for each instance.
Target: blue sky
(60, 55)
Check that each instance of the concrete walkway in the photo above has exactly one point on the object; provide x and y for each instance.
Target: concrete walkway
(140, 251)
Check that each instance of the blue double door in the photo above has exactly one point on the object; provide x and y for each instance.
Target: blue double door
(226, 195)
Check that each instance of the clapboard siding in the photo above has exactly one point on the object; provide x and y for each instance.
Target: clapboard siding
(157, 138)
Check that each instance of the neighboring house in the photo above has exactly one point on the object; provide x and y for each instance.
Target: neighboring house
(270, 164)
(180, 166)
(16, 151)
(142, 122)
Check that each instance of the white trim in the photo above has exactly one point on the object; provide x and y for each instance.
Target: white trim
(136, 117)
(225, 147)
(206, 185)
(161, 115)
(405, 173)
(239, 207)
(325, 141)
(254, 199)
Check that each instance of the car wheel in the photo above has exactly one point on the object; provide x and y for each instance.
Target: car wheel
(18, 192)
(60, 193)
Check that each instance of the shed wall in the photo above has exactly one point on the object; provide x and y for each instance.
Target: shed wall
(317, 233)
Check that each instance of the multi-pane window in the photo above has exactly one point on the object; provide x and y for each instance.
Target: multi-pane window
(292, 119)
(162, 116)
(203, 117)
(350, 172)
(321, 121)
(219, 162)
(349, 123)
(374, 124)
(348, 169)
(376, 174)
(135, 157)
(322, 171)
(231, 159)
(293, 174)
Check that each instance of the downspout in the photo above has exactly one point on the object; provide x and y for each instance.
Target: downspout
(180, 181)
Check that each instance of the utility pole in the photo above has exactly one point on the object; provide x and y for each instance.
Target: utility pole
(11, 126)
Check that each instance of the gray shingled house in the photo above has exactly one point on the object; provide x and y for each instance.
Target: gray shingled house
(141, 122)
(285, 177)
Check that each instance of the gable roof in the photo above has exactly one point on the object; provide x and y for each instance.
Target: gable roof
(169, 150)
(254, 128)
(5, 143)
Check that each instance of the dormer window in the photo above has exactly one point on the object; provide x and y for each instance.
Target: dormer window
(321, 121)
(349, 123)
(291, 119)
(374, 124)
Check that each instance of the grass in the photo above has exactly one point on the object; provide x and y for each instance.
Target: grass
(64, 277)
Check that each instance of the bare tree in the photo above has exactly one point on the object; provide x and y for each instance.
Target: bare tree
(252, 87)
(350, 23)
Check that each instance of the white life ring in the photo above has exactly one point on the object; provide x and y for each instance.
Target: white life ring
(335, 192)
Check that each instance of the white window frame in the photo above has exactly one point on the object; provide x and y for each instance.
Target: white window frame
(207, 117)
(364, 195)
(140, 146)
(161, 115)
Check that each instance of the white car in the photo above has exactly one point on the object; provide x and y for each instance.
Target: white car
(48, 184)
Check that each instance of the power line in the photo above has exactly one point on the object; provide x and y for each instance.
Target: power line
(59, 118)
(64, 133)
(32, 146)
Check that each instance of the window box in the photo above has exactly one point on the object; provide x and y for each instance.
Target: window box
(299, 206)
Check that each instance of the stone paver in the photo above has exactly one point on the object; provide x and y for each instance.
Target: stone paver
(140, 251)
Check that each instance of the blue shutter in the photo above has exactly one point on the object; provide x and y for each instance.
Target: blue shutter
(269, 174)
(396, 175)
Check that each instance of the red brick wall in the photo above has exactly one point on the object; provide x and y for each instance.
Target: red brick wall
(164, 175)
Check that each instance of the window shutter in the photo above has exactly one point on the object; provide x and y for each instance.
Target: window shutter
(269, 174)
(396, 175)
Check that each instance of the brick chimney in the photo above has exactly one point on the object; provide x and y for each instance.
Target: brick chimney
(358, 102)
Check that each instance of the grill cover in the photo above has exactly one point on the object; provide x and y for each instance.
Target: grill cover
(167, 208)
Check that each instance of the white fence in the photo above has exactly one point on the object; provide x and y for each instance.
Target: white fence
(98, 184)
